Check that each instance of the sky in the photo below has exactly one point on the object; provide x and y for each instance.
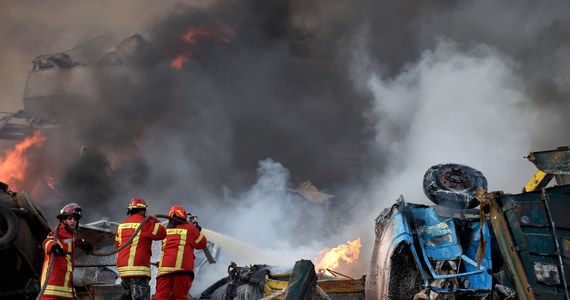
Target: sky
(359, 97)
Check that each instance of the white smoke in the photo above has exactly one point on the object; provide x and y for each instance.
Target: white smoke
(462, 99)
(260, 214)
(258, 227)
(453, 105)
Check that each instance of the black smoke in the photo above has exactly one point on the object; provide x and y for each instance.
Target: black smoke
(283, 86)
(271, 90)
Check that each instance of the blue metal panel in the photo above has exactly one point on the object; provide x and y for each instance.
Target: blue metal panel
(483, 280)
(439, 242)
(433, 239)
(437, 235)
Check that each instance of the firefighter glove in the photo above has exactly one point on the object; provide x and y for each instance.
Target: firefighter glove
(85, 246)
(198, 226)
(57, 250)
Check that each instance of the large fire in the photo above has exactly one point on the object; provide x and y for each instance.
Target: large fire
(329, 259)
(193, 34)
(14, 165)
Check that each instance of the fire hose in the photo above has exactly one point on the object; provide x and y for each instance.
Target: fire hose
(206, 251)
(117, 250)
(130, 240)
(50, 268)
(52, 257)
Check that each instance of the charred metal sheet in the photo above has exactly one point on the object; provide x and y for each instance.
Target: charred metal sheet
(546, 198)
(309, 192)
(546, 273)
(531, 213)
(490, 204)
(49, 61)
(530, 209)
(539, 243)
(134, 50)
(531, 230)
(552, 161)
(343, 286)
(566, 247)
(559, 206)
(90, 269)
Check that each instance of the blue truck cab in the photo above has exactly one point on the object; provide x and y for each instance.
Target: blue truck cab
(474, 244)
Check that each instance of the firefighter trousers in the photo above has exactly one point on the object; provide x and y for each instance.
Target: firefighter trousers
(173, 286)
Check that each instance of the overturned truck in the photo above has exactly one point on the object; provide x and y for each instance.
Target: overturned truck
(474, 244)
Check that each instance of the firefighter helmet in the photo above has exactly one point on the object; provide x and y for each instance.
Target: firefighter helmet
(177, 211)
(135, 205)
(71, 209)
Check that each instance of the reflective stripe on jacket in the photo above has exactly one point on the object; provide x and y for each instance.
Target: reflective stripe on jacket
(178, 249)
(60, 282)
(134, 259)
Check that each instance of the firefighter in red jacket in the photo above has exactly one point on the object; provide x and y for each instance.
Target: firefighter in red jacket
(176, 268)
(133, 262)
(60, 281)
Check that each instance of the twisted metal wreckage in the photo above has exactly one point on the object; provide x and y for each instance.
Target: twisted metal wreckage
(472, 244)
(513, 246)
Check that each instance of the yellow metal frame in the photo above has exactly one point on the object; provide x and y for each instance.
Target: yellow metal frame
(277, 283)
(539, 179)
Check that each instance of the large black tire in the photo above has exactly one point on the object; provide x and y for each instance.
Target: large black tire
(9, 227)
(453, 185)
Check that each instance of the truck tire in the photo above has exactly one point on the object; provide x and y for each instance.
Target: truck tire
(9, 227)
(453, 185)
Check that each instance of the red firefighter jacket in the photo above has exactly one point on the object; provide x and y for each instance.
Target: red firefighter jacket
(134, 259)
(60, 283)
(178, 249)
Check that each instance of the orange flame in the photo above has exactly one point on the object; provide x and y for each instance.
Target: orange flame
(191, 36)
(194, 32)
(179, 61)
(13, 166)
(330, 258)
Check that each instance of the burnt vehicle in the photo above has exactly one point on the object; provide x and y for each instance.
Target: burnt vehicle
(280, 282)
(475, 244)
(23, 226)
